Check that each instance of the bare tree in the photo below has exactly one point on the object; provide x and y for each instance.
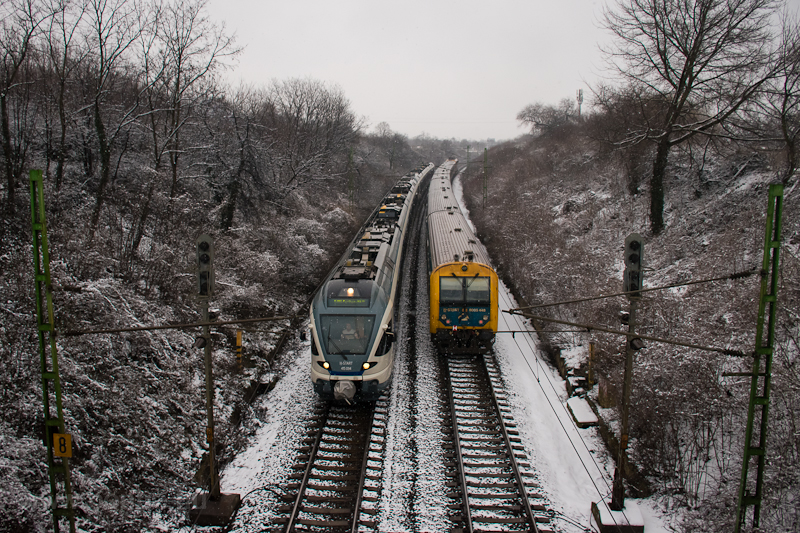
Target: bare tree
(19, 22)
(190, 49)
(390, 142)
(65, 57)
(703, 58)
(311, 124)
(115, 26)
(775, 117)
(544, 118)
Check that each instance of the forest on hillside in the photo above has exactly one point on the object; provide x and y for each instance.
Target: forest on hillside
(682, 150)
(143, 147)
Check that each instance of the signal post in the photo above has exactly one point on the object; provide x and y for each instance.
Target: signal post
(616, 517)
(212, 508)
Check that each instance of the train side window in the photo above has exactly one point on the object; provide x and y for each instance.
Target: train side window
(386, 343)
(386, 282)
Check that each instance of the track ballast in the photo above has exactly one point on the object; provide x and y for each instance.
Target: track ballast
(492, 486)
(337, 471)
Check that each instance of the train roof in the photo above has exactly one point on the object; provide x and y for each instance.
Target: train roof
(450, 235)
(366, 253)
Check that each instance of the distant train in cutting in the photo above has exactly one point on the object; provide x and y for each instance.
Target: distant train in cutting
(352, 342)
(462, 284)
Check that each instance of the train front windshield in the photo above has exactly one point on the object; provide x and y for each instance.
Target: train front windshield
(464, 291)
(347, 334)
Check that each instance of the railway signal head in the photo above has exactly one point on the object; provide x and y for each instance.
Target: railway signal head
(205, 265)
(632, 278)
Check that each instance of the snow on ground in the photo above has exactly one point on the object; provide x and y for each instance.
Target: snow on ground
(257, 472)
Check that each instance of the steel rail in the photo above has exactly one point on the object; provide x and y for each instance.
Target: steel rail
(307, 474)
(459, 459)
(491, 416)
(363, 475)
(512, 457)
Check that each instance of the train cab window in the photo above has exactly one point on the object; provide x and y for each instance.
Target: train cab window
(463, 290)
(451, 290)
(478, 290)
(346, 334)
(345, 293)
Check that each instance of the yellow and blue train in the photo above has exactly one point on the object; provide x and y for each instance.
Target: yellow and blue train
(462, 283)
(352, 343)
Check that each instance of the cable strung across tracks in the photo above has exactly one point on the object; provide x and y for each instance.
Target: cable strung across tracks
(338, 470)
(492, 482)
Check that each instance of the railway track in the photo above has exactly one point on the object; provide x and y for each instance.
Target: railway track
(491, 485)
(336, 481)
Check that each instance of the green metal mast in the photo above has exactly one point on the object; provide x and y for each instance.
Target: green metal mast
(756, 435)
(57, 441)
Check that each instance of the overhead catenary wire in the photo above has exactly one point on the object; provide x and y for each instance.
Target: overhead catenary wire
(534, 350)
(725, 351)
(735, 275)
(74, 333)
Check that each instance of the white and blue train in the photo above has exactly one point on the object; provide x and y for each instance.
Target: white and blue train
(352, 342)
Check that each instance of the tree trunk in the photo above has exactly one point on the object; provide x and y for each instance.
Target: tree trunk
(7, 155)
(657, 185)
(139, 229)
(228, 210)
(105, 165)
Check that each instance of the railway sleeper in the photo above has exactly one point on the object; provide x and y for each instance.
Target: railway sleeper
(337, 468)
(313, 498)
(492, 519)
(488, 441)
(326, 510)
(503, 456)
(492, 426)
(493, 496)
(325, 477)
(483, 485)
(492, 475)
(478, 507)
(476, 444)
(322, 523)
(316, 486)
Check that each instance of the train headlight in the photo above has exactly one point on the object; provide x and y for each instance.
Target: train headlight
(366, 366)
(350, 292)
(326, 365)
(486, 318)
(464, 268)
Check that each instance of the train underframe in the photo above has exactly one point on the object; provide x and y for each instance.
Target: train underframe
(351, 390)
(463, 341)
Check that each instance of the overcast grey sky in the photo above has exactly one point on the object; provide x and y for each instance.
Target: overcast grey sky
(448, 68)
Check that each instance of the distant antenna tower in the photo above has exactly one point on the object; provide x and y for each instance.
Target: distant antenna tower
(580, 102)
